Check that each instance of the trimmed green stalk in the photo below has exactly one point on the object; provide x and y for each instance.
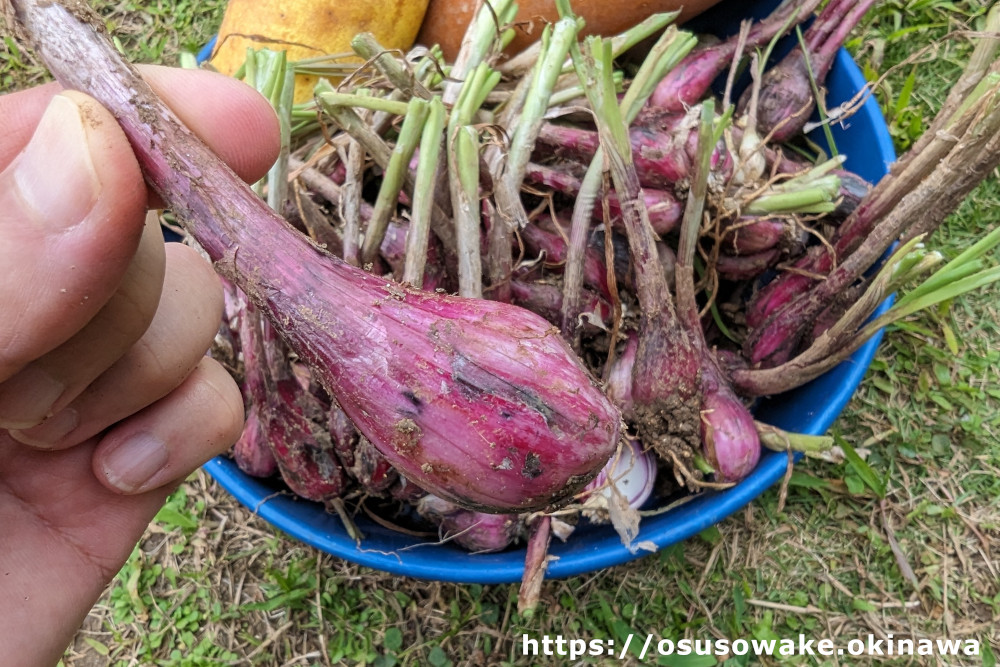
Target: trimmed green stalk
(621, 43)
(529, 119)
(780, 440)
(480, 39)
(277, 175)
(418, 233)
(351, 206)
(669, 49)
(817, 198)
(812, 191)
(525, 112)
(358, 129)
(573, 91)
(381, 153)
(265, 71)
(334, 65)
(334, 99)
(463, 163)
(393, 177)
(463, 177)
(401, 78)
(684, 289)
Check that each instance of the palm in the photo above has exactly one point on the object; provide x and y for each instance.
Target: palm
(64, 536)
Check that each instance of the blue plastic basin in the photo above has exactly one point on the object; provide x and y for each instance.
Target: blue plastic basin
(810, 409)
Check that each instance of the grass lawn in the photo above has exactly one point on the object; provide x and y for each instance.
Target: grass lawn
(911, 551)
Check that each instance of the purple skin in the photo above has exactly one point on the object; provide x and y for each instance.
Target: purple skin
(689, 82)
(773, 340)
(474, 531)
(362, 462)
(538, 240)
(343, 435)
(481, 403)
(662, 158)
(393, 251)
(305, 457)
(288, 415)
(251, 452)
(729, 361)
(619, 380)
(833, 313)
(749, 236)
(371, 470)
(784, 289)
(746, 267)
(786, 92)
(853, 189)
(546, 300)
(728, 434)
(664, 209)
(405, 491)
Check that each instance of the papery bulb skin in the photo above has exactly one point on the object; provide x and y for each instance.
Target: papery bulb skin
(730, 439)
(302, 449)
(251, 452)
(479, 402)
(474, 531)
(482, 403)
(632, 472)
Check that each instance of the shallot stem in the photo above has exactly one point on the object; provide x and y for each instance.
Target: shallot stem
(418, 232)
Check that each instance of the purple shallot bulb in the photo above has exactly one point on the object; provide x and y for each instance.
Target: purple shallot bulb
(481, 403)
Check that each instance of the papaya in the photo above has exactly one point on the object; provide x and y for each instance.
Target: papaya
(310, 28)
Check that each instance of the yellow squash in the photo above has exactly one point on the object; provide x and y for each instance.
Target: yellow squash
(309, 28)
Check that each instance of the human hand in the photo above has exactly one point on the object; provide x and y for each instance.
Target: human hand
(106, 398)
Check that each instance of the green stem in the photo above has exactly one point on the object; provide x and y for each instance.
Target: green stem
(779, 440)
(949, 272)
(420, 212)
(669, 49)
(576, 91)
(392, 179)
(480, 39)
(333, 99)
(543, 80)
(818, 197)
(684, 291)
(817, 94)
(401, 78)
(463, 165)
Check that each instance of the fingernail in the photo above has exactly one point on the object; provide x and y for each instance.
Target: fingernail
(57, 160)
(134, 462)
(27, 398)
(51, 431)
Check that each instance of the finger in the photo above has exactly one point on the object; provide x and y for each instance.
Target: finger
(186, 321)
(231, 117)
(171, 438)
(64, 537)
(236, 121)
(71, 211)
(49, 383)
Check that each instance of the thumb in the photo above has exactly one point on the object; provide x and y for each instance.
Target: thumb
(72, 205)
